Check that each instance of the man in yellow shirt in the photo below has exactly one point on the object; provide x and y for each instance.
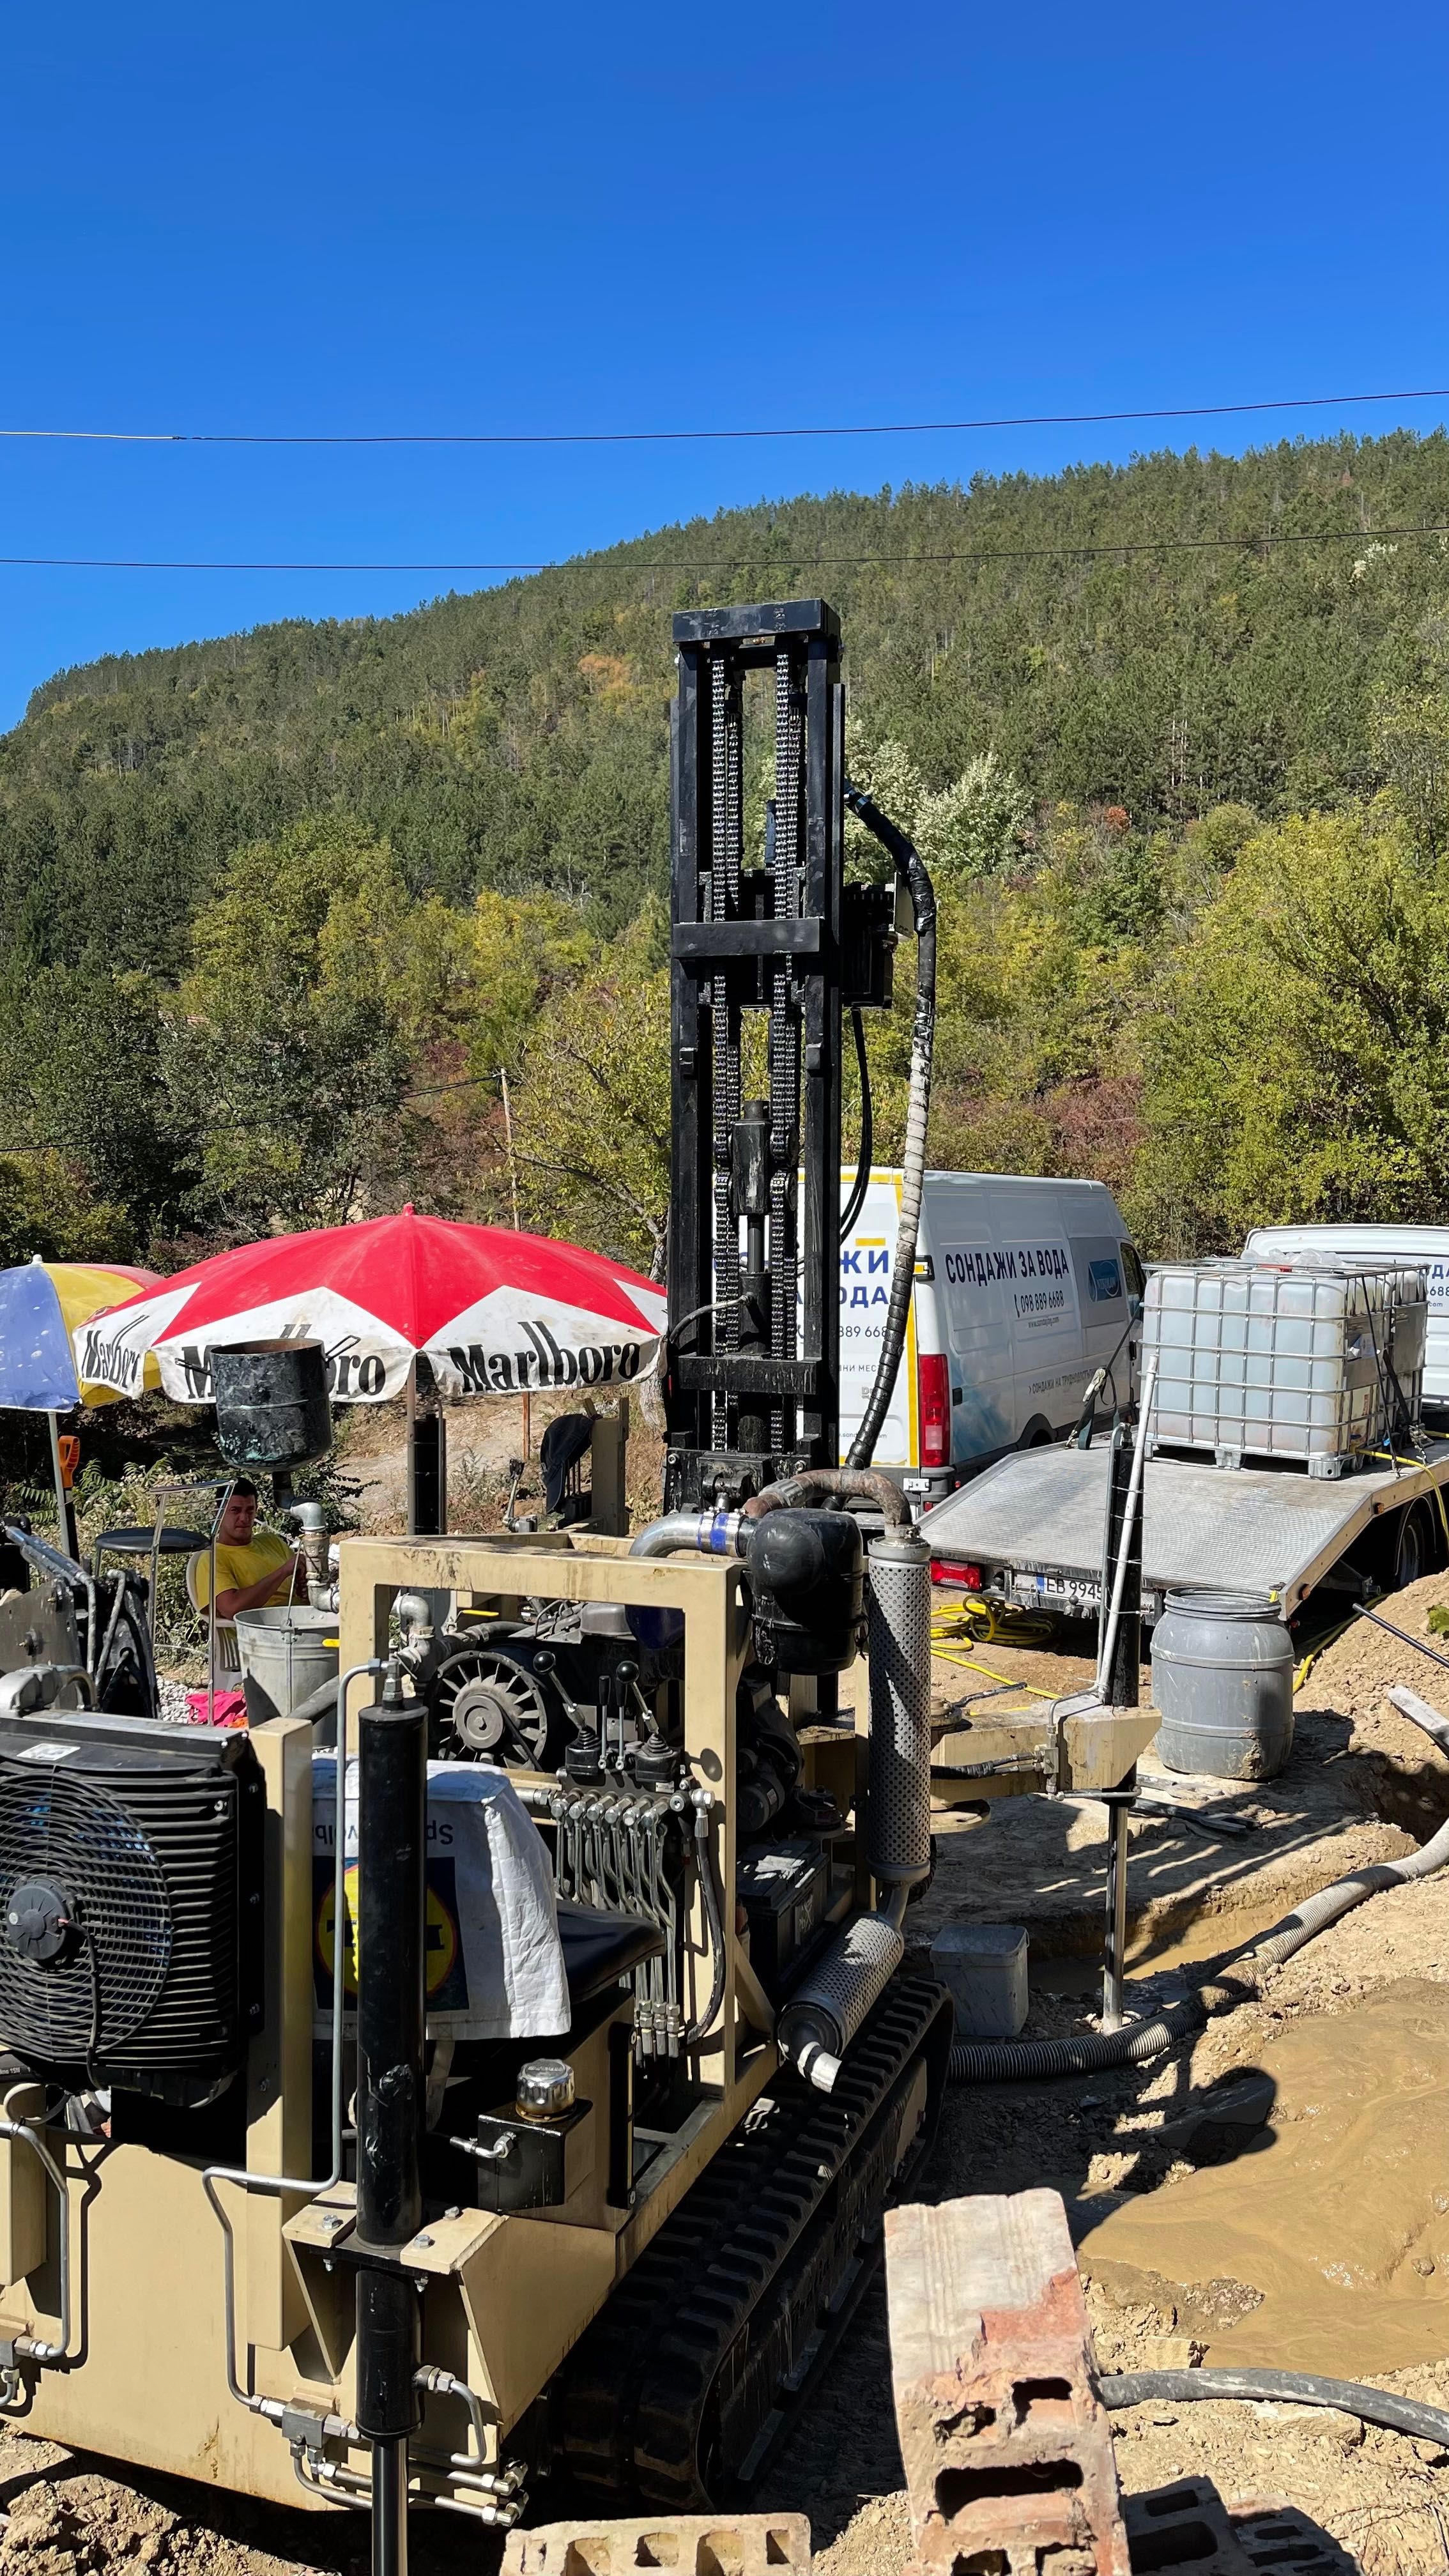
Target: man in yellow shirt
(255, 1569)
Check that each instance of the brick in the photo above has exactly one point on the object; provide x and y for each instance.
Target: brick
(691, 2544)
(1006, 2444)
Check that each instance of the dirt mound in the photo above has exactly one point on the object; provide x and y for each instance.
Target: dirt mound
(1352, 1678)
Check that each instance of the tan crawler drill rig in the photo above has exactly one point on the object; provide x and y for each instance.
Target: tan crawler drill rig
(304, 2251)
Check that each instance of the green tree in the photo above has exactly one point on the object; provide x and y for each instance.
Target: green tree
(83, 1076)
(593, 1119)
(47, 1210)
(1297, 1064)
(1409, 733)
(296, 1029)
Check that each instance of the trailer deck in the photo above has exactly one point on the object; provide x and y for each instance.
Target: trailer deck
(1033, 1524)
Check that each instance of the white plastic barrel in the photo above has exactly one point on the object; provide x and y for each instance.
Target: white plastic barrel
(1222, 1683)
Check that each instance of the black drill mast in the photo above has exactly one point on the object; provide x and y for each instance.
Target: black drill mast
(754, 1315)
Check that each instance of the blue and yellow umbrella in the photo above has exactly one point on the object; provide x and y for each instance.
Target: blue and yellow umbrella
(41, 1305)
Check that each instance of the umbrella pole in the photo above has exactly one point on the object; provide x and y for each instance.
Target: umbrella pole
(64, 1507)
(427, 1466)
(412, 1466)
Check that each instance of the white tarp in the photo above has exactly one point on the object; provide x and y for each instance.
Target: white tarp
(494, 1960)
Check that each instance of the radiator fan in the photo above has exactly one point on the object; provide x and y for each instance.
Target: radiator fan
(85, 1920)
(131, 1878)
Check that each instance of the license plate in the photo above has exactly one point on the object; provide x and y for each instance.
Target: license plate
(1076, 1591)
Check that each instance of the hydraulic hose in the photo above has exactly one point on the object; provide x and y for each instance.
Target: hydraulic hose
(909, 865)
(856, 1200)
(1017, 2061)
(1295, 2387)
(703, 1808)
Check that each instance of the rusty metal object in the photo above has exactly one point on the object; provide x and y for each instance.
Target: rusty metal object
(1006, 2444)
(693, 2544)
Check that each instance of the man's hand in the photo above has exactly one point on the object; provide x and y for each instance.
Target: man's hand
(275, 1587)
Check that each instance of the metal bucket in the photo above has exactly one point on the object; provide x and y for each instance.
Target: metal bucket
(271, 1403)
(1222, 1682)
(285, 1656)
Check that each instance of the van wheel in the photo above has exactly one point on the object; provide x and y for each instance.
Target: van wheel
(1037, 1435)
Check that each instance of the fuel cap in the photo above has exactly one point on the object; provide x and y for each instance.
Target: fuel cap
(545, 2088)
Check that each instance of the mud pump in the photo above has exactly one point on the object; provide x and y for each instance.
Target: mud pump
(266, 2218)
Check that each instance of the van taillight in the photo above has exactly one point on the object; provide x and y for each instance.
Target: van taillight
(933, 1395)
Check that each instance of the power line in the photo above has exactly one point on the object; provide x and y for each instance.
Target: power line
(687, 437)
(771, 562)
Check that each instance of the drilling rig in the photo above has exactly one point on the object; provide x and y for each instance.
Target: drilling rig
(258, 2222)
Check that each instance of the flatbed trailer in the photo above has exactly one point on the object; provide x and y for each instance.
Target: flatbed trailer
(1031, 1527)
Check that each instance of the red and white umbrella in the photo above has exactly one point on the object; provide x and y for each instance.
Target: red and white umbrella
(494, 1312)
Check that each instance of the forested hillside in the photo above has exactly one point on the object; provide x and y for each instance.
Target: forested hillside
(285, 916)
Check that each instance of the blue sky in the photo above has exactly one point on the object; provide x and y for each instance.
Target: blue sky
(451, 216)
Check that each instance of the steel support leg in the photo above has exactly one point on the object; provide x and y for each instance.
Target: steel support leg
(1114, 1944)
(392, 1838)
(390, 2508)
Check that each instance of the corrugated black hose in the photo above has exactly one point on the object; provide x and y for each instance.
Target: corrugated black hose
(911, 866)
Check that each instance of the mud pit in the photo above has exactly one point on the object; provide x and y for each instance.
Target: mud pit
(1321, 2242)
(1219, 2195)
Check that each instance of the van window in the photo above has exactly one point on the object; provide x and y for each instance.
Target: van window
(1133, 1272)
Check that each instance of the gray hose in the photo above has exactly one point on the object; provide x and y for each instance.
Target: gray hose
(1017, 2061)
(1295, 2387)
(1317, 1912)
(910, 865)
(846, 1482)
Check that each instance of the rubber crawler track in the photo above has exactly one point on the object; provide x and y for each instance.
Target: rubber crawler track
(662, 2396)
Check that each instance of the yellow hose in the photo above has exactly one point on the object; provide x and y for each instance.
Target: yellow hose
(982, 1623)
(1302, 1671)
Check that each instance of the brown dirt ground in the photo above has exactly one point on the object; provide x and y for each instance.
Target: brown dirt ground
(1126, 2147)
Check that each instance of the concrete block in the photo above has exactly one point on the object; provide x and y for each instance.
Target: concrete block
(1006, 2444)
(1184, 2526)
(690, 2544)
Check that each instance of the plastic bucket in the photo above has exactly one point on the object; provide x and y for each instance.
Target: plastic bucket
(285, 1655)
(1222, 1683)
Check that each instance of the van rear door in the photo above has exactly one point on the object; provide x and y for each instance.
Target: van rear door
(867, 1263)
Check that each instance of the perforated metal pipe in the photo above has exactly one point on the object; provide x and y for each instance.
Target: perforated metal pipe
(898, 1603)
(822, 2016)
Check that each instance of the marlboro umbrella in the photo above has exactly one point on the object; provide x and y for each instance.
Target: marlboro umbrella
(494, 1312)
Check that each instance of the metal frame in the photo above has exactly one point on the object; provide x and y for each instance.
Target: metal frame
(754, 1391)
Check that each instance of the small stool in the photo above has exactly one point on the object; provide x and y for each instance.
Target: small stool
(145, 1542)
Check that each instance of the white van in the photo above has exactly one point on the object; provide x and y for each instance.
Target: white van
(1426, 1245)
(1023, 1289)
